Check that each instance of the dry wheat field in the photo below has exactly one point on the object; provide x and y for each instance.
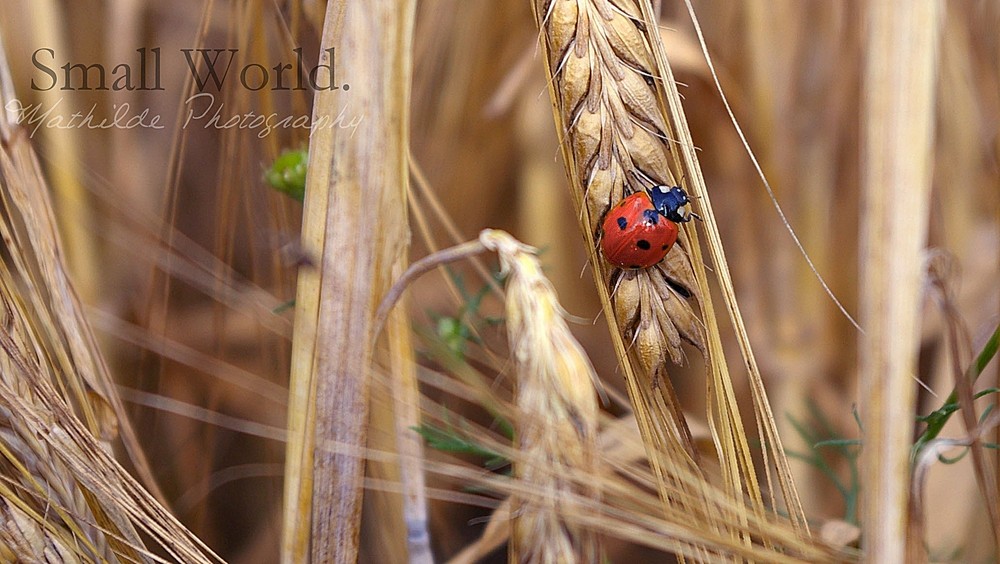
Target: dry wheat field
(396, 281)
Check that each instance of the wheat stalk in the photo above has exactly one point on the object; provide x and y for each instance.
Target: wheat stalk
(352, 179)
(619, 117)
(62, 496)
(555, 413)
(612, 132)
(568, 487)
(897, 161)
(613, 135)
(74, 208)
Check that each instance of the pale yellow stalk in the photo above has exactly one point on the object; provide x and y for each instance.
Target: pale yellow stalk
(898, 118)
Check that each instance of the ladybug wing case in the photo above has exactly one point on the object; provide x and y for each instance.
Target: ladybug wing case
(635, 235)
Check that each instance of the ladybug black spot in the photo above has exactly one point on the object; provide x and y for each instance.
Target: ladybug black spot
(622, 223)
(664, 247)
(652, 217)
(643, 244)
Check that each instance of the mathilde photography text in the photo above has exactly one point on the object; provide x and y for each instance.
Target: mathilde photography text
(212, 72)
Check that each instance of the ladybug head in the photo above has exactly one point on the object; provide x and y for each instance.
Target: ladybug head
(672, 203)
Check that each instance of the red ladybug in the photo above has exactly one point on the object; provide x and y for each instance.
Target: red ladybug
(640, 229)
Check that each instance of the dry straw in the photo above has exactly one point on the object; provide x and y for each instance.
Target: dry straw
(352, 179)
(62, 495)
(555, 412)
(573, 483)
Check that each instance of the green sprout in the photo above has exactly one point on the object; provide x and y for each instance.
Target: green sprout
(936, 419)
(457, 332)
(847, 448)
(288, 173)
(822, 434)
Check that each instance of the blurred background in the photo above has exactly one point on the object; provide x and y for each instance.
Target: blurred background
(187, 258)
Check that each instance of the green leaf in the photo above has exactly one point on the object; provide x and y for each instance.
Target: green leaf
(838, 443)
(448, 440)
(284, 307)
(937, 419)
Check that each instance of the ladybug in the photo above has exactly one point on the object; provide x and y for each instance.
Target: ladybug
(640, 229)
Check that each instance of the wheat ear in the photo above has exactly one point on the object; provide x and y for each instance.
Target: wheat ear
(619, 119)
(605, 94)
(607, 108)
(556, 417)
(557, 413)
